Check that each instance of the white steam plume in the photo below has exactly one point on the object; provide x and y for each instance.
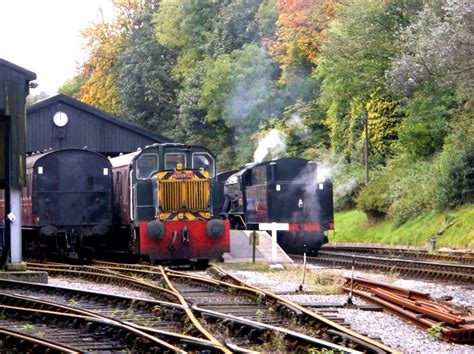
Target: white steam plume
(273, 142)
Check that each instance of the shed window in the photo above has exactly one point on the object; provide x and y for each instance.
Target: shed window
(146, 165)
(204, 161)
(172, 159)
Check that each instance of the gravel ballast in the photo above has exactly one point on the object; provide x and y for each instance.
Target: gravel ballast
(98, 288)
(388, 328)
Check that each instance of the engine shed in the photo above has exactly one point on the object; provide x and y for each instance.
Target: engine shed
(60, 122)
(14, 87)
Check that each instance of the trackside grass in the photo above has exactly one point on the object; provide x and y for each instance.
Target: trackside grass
(354, 227)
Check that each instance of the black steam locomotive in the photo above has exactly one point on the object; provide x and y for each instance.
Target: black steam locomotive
(283, 191)
(67, 202)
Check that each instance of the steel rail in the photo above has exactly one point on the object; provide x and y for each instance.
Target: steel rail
(466, 257)
(301, 339)
(21, 342)
(335, 327)
(174, 338)
(105, 277)
(77, 326)
(431, 270)
(308, 317)
(131, 311)
(416, 308)
(255, 329)
(191, 315)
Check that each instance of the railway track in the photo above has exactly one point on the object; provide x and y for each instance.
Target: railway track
(166, 321)
(224, 316)
(111, 275)
(309, 320)
(417, 269)
(77, 332)
(414, 254)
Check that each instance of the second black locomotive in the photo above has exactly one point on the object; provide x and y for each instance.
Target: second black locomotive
(283, 191)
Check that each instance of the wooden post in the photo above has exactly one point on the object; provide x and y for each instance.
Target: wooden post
(254, 245)
(366, 147)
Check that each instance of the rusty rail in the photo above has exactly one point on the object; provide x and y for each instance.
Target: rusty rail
(417, 308)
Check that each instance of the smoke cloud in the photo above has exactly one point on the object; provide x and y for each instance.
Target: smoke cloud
(272, 143)
(298, 127)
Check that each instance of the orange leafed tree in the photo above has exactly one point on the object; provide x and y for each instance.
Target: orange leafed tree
(301, 28)
(105, 41)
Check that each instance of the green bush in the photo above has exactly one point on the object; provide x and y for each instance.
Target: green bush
(347, 180)
(411, 189)
(374, 199)
(455, 180)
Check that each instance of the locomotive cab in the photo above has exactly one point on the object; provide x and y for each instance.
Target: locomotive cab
(235, 202)
(170, 203)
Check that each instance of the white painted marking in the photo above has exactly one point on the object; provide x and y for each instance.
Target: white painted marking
(274, 227)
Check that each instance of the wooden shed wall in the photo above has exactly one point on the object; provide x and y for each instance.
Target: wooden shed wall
(83, 129)
(13, 91)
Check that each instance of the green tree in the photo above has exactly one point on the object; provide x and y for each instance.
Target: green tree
(72, 86)
(106, 41)
(186, 25)
(423, 131)
(147, 89)
(437, 47)
(384, 117)
(230, 92)
(193, 127)
(361, 44)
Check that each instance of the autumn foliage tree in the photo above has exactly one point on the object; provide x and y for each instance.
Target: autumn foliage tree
(105, 42)
(301, 30)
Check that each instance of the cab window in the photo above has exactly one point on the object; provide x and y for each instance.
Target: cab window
(204, 161)
(172, 159)
(259, 175)
(146, 165)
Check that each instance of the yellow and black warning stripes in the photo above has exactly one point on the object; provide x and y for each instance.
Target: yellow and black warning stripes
(184, 192)
(185, 216)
